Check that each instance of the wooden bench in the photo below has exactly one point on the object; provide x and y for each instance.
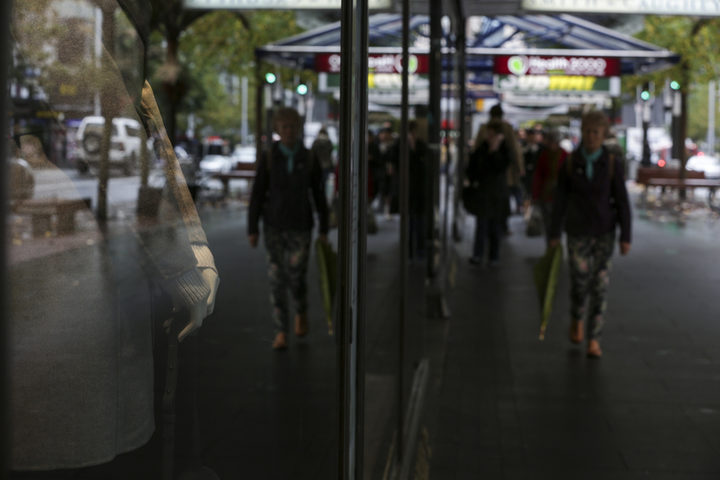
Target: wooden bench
(645, 174)
(42, 210)
(653, 177)
(711, 184)
(243, 171)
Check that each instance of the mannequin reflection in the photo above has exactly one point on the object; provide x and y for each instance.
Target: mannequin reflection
(81, 305)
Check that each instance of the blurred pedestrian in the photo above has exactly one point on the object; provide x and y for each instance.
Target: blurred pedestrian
(388, 156)
(322, 147)
(417, 168)
(487, 168)
(515, 170)
(286, 179)
(550, 160)
(534, 144)
(590, 201)
(376, 170)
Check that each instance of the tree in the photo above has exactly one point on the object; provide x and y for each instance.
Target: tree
(217, 47)
(695, 40)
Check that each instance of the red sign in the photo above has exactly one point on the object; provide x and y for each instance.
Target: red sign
(556, 65)
(377, 63)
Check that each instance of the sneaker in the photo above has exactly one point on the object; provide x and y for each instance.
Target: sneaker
(593, 349)
(301, 324)
(280, 342)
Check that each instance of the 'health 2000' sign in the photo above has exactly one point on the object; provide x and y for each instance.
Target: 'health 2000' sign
(556, 65)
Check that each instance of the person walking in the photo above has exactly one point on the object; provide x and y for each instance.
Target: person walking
(515, 170)
(550, 160)
(322, 147)
(417, 167)
(286, 178)
(487, 169)
(590, 201)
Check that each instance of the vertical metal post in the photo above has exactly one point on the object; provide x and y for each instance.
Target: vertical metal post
(434, 115)
(711, 117)
(244, 99)
(446, 116)
(404, 205)
(351, 236)
(645, 103)
(259, 120)
(5, 8)
(462, 138)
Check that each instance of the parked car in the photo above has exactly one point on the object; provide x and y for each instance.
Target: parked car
(211, 164)
(704, 163)
(244, 154)
(125, 142)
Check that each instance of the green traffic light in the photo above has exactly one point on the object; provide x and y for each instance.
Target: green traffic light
(645, 95)
(270, 78)
(302, 89)
(675, 85)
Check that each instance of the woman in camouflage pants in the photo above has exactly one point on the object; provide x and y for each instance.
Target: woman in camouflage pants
(286, 179)
(590, 200)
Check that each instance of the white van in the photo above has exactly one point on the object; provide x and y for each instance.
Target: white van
(125, 141)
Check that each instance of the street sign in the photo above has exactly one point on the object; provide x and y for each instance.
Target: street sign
(556, 65)
(557, 83)
(377, 63)
(702, 8)
(278, 4)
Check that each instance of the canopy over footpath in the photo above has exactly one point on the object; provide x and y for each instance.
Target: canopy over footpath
(487, 37)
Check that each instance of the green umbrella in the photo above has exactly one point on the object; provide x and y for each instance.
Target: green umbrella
(545, 274)
(327, 264)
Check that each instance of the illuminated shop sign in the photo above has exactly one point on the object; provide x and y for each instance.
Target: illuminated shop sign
(707, 8)
(556, 65)
(552, 83)
(377, 63)
(278, 4)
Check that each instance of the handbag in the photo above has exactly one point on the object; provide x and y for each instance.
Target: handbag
(470, 198)
(534, 222)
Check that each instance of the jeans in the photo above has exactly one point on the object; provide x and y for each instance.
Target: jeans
(490, 228)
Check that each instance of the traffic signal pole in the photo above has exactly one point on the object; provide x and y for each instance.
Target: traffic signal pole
(645, 97)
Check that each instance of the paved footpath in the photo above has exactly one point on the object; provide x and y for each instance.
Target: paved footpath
(508, 406)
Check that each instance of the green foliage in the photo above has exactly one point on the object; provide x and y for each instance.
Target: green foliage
(212, 47)
(694, 39)
(698, 108)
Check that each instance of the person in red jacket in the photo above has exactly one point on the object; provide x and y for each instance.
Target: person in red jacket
(549, 161)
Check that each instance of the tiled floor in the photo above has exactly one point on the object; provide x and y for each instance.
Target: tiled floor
(513, 407)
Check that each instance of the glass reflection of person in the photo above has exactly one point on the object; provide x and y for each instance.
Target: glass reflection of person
(590, 201)
(287, 177)
(82, 305)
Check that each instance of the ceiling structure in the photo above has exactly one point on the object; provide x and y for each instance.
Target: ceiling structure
(504, 31)
(486, 37)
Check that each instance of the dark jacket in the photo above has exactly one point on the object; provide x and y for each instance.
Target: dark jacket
(417, 177)
(591, 207)
(282, 198)
(488, 170)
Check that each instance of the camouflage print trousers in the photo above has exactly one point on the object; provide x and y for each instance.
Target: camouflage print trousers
(287, 254)
(589, 259)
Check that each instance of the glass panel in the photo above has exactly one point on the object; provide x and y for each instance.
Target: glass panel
(115, 238)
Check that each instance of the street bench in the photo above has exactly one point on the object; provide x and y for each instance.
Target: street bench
(243, 171)
(646, 174)
(711, 184)
(653, 177)
(42, 210)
